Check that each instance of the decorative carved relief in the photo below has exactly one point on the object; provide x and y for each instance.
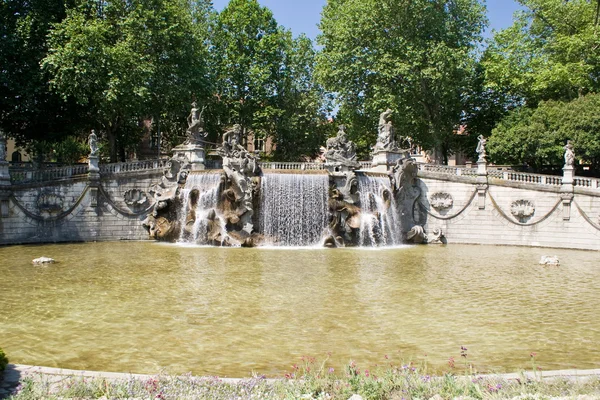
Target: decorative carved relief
(135, 197)
(50, 203)
(441, 201)
(522, 209)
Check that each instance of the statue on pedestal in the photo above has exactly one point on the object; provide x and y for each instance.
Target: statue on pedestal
(569, 154)
(93, 142)
(340, 149)
(385, 132)
(195, 129)
(481, 149)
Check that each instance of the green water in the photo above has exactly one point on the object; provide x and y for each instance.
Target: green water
(142, 307)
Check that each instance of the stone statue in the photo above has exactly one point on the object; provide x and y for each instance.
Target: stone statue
(569, 154)
(195, 128)
(340, 149)
(481, 148)
(385, 135)
(93, 142)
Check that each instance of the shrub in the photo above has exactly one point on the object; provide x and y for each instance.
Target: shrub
(3, 361)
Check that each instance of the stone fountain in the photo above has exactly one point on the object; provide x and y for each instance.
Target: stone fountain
(241, 205)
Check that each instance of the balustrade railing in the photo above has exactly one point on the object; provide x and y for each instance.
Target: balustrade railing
(512, 176)
(292, 165)
(20, 175)
(592, 183)
(132, 166)
(23, 173)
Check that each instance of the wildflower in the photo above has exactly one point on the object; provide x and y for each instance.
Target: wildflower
(463, 351)
(532, 354)
(386, 357)
(451, 362)
(367, 374)
(331, 370)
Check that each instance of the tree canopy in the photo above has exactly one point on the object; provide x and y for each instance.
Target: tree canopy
(414, 56)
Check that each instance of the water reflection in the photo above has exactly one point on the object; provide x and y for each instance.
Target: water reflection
(140, 307)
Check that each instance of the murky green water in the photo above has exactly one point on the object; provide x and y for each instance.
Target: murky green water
(140, 307)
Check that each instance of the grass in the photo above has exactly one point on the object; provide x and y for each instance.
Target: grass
(313, 380)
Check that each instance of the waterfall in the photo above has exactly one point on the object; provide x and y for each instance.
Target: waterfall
(293, 208)
(200, 197)
(380, 219)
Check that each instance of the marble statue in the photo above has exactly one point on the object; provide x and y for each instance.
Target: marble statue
(340, 149)
(481, 148)
(569, 154)
(385, 132)
(93, 142)
(240, 167)
(195, 130)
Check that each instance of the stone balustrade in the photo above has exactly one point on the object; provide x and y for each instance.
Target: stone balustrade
(292, 165)
(512, 176)
(20, 175)
(132, 166)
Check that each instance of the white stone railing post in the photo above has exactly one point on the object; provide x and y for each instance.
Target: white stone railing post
(567, 186)
(482, 174)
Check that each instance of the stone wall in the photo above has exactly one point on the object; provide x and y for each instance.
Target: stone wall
(498, 212)
(73, 210)
(511, 214)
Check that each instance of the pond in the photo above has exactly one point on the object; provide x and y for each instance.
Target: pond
(143, 306)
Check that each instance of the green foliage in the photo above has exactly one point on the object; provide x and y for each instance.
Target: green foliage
(123, 60)
(416, 57)
(263, 81)
(549, 53)
(537, 136)
(3, 360)
(28, 109)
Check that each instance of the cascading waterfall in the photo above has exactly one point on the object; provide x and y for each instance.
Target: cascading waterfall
(293, 208)
(200, 197)
(380, 219)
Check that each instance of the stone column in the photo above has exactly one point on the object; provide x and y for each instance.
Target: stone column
(567, 187)
(93, 169)
(5, 187)
(482, 184)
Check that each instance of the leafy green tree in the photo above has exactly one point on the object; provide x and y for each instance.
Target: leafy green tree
(298, 117)
(123, 60)
(28, 109)
(247, 55)
(550, 52)
(263, 80)
(536, 136)
(414, 56)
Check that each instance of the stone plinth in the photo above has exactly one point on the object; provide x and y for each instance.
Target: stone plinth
(192, 152)
(384, 159)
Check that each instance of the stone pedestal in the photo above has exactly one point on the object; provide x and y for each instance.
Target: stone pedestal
(566, 190)
(194, 153)
(5, 189)
(482, 184)
(94, 179)
(384, 159)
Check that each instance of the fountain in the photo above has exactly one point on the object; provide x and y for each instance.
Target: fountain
(244, 206)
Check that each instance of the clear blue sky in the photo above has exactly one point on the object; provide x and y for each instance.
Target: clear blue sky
(303, 16)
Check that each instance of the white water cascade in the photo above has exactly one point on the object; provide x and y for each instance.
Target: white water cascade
(207, 187)
(293, 208)
(380, 219)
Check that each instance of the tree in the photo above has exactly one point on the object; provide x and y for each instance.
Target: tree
(414, 56)
(28, 109)
(247, 54)
(536, 136)
(123, 60)
(263, 80)
(550, 52)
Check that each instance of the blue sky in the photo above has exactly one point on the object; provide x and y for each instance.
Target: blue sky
(303, 16)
